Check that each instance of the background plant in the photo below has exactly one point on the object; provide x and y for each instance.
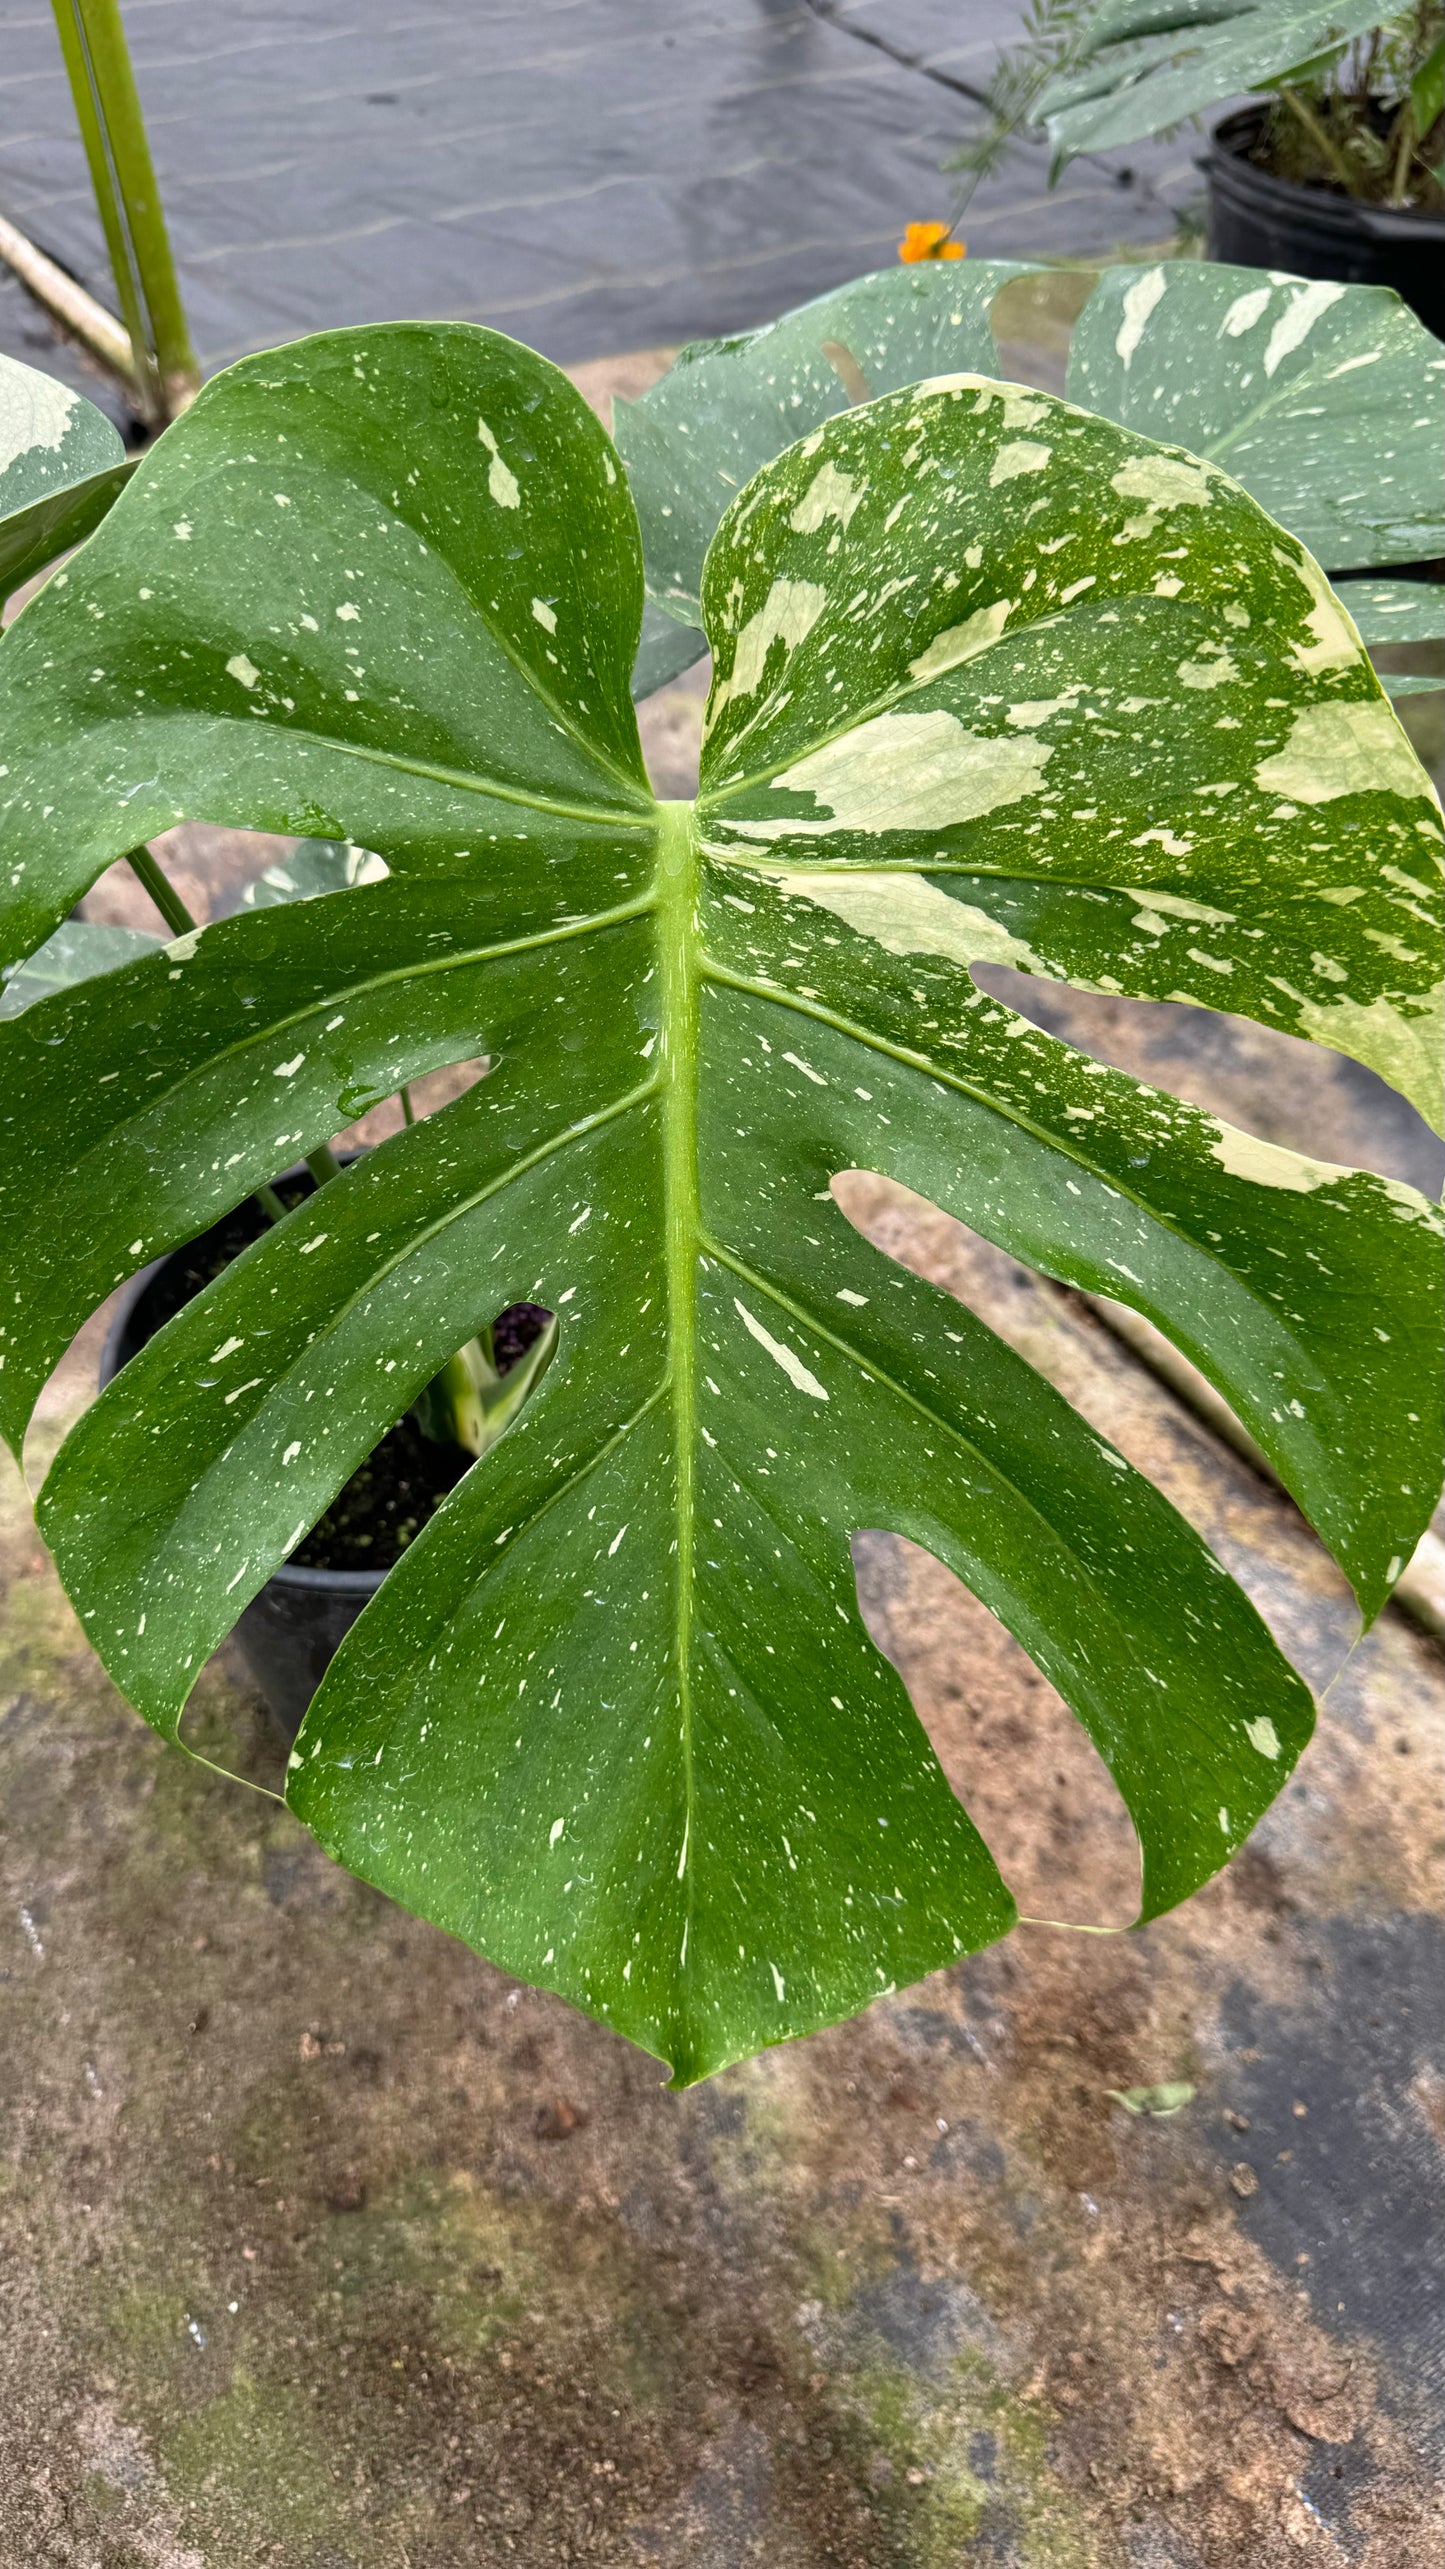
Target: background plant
(1355, 102)
(994, 679)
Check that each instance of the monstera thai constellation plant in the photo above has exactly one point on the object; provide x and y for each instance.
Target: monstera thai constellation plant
(1327, 401)
(994, 678)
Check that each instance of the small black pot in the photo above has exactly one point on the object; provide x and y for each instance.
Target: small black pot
(1258, 221)
(294, 1626)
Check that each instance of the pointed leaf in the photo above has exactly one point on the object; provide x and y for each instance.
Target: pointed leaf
(728, 406)
(1327, 401)
(1132, 88)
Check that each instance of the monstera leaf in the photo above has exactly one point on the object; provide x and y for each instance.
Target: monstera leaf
(1141, 66)
(1385, 611)
(1394, 610)
(61, 467)
(994, 679)
(314, 867)
(729, 405)
(77, 952)
(1327, 401)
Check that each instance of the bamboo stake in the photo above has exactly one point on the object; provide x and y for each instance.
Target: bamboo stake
(86, 320)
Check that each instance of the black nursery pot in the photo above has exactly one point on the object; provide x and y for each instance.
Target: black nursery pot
(1258, 221)
(292, 1629)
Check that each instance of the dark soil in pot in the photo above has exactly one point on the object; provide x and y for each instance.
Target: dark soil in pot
(292, 1629)
(1259, 220)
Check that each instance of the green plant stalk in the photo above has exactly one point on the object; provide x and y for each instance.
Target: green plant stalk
(1404, 152)
(107, 103)
(143, 377)
(469, 1403)
(1323, 141)
(162, 891)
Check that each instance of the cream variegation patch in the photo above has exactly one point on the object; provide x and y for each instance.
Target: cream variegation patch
(906, 914)
(1338, 749)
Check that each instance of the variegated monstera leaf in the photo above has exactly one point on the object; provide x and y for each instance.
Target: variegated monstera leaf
(61, 466)
(994, 678)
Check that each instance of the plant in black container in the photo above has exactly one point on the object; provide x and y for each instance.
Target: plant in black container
(1337, 172)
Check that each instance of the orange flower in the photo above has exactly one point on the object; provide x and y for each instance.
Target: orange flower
(929, 241)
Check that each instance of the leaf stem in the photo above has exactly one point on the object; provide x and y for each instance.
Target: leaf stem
(167, 900)
(1323, 141)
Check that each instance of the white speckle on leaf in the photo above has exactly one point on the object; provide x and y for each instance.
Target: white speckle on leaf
(1263, 1736)
(1139, 301)
(1163, 481)
(1024, 456)
(1176, 905)
(961, 642)
(787, 615)
(348, 612)
(181, 949)
(778, 1982)
(545, 615)
(829, 494)
(35, 416)
(501, 481)
(1295, 324)
(244, 671)
(906, 772)
(1215, 671)
(1267, 1164)
(1245, 310)
(1336, 644)
(555, 1831)
(793, 1366)
(288, 1069)
(906, 914)
(227, 1347)
(806, 1068)
(859, 1300)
